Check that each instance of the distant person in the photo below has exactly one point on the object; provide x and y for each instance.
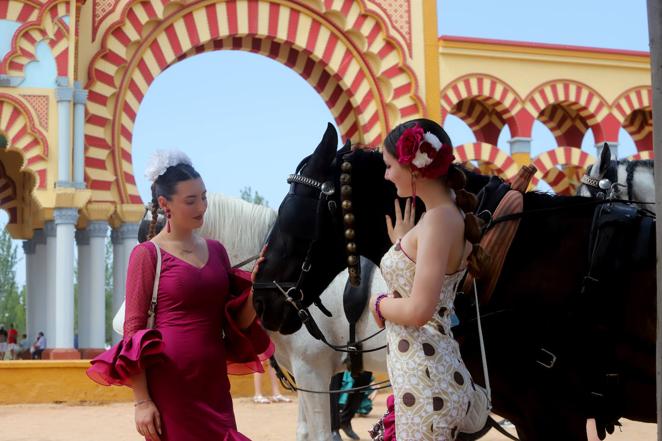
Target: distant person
(276, 396)
(23, 348)
(3, 342)
(12, 341)
(39, 346)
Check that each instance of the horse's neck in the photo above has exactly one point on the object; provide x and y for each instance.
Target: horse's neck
(637, 178)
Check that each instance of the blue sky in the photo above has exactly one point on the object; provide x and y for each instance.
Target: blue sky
(246, 120)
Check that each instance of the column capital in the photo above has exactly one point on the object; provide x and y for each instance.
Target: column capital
(65, 215)
(97, 228)
(39, 237)
(115, 236)
(129, 231)
(80, 96)
(82, 237)
(49, 228)
(520, 144)
(64, 94)
(29, 247)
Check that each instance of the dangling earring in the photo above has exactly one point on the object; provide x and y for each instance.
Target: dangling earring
(168, 216)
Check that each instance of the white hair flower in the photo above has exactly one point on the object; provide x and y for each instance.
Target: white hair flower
(162, 159)
(433, 140)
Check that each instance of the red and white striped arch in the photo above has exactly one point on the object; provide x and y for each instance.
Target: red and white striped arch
(358, 69)
(633, 99)
(547, 162)
(565, 123)
(645, 154)
(576, 96)
(19, 10)
(47, 25)
(491, 91)
(8, 195)
(499, 161)
(632, 110)
(18, 125)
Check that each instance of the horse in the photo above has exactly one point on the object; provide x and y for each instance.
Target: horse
(631, 180)
(543, 349)
(242, 228)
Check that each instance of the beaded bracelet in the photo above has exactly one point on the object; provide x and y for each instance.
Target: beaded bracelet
(377, 302)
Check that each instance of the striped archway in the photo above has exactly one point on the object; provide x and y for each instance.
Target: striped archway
(568, 108)
(23, 136)
(495, 159)
(48, 25)
(646, 154)
(576, 161)
(633, 111)
(484, 103)
(349, 60)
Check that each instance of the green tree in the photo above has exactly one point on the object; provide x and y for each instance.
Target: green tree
(253, 197)
(12, 298)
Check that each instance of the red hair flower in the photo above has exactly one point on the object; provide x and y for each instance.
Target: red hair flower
(424, 152)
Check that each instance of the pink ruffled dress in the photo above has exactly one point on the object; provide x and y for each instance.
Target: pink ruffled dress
(194, 345)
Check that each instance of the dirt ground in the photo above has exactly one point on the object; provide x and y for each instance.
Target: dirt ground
(260, 422)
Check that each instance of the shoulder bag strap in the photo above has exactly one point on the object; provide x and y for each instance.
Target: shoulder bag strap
(155, 292)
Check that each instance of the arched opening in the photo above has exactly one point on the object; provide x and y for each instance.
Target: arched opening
(226, 110)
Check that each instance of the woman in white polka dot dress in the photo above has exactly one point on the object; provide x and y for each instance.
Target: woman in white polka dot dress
(432, 388)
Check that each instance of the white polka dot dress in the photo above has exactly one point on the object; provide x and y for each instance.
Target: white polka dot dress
(431, 385)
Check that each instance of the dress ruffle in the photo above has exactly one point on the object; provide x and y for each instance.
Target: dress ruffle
(245, 349)
(127, 358)
(389, 419)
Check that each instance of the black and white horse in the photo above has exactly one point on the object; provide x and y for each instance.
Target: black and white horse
(629, 180)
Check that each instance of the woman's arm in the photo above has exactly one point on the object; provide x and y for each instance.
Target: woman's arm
(434, 241)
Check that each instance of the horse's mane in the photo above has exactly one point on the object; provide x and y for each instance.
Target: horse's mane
(240, 226)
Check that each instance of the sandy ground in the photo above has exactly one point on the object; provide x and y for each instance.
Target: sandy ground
(270, 422)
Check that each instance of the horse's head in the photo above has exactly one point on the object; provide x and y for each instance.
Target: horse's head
(302, 256)
(599, 177)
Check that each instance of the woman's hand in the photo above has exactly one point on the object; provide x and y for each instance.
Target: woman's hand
(148, 420)
(402, 223)
(257, 263)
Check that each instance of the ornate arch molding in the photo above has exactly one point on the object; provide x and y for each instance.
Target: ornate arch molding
(353, 49)
(23, 137)
(490, 91)
(547, 161)
(502, 164)
(576, 97)
(47, 25)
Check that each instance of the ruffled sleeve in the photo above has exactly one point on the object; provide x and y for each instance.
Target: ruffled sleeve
(245, 349)
(140, 347)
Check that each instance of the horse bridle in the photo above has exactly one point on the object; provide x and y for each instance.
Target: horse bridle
(292, 292)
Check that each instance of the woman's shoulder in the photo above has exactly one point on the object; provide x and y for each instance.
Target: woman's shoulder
(443, 219)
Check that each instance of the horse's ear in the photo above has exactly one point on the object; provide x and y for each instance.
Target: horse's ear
(325, 152)
(605, 159)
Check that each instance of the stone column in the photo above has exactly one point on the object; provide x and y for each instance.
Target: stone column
(84, 295)
(49, 292)
(64, 95)
(38, 285)
(92, 299)
(520, 150)
(124, 239)
(80, 98)
(65, 221)
(29, 249)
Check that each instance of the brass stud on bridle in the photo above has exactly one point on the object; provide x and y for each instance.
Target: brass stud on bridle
(348, 223)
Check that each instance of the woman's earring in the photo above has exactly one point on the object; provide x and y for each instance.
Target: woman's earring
(168, 216)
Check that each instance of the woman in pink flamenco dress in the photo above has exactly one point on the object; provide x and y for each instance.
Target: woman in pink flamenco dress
(205, 325)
